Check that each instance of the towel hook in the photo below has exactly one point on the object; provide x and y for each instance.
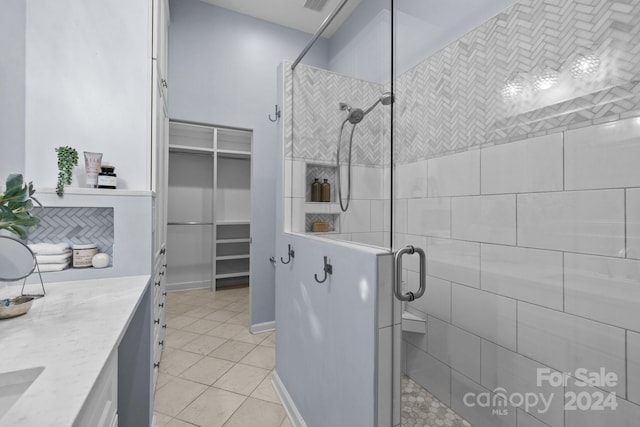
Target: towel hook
(291, 254)
(328, 269)
(277, 115)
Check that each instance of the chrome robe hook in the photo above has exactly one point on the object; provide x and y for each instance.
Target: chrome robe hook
(291, 254)
(328, 269)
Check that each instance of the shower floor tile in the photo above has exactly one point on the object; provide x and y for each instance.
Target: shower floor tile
(421, 409)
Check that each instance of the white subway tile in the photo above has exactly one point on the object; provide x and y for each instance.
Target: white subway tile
(411, 180)
(296, 182)
(566, 343)
(297, 215)
(603, 156)
(436, 300)
(488, 315)
(633, 366)
(366, 182)
(455, 347)
(454, 175)
(430, 217)
(525, 166)
(454, 260)
(378, 215)
(430, 373)
(490, 219)
(418, 340)
(358, 218)
(577, 221)
(527, 420)
(625, 414)
(372, 239)
(399, 216)
(531, 275)
(633, 223)
(603, 289)
(517, 374)
(466, 398)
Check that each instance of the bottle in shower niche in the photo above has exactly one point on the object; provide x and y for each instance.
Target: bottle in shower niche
(316, 195)
(326, 191)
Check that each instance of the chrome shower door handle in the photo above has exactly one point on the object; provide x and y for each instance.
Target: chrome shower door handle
(409, 296)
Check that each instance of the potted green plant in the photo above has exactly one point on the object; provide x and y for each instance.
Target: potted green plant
(16, 204)
(67, 159)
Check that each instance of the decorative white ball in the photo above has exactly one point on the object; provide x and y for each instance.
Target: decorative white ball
(100, 260)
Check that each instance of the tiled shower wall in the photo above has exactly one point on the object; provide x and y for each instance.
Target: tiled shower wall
(312, 141)
(530, 213)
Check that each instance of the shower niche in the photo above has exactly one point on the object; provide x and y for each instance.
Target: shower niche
(321, 217)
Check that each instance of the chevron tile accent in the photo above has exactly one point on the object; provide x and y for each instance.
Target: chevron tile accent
(452, 101)
(317, 118)
(75, 226)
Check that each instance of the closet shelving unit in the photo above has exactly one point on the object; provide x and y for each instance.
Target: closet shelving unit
(210, 242)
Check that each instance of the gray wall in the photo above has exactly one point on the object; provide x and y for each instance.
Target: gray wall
(222, 70)
(12, 78)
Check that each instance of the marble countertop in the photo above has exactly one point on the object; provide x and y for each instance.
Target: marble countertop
(70, 333)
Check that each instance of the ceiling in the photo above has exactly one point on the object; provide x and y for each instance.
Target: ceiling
(290, 13)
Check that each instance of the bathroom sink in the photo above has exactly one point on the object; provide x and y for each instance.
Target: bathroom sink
(13, 384)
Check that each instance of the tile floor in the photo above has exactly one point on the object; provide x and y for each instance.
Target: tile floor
(213, 372)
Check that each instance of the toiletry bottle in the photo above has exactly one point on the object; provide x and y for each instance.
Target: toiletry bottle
(326, 191)
(107, 177)
(315, 191)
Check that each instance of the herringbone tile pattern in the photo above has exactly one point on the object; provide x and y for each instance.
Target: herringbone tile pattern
(75, 225)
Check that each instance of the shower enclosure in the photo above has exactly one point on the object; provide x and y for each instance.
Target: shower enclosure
(486, 154)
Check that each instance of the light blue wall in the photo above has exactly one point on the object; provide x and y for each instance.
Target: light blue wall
(223, 70)
(361, 47)
(12, 87)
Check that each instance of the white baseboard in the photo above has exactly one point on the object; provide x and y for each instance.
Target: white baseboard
(263, 327)
(290, 407)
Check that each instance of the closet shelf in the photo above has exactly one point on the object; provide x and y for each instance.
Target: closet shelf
(234, 154)
(233, 222)
(190, 149)
(228, 275)
(190, 223)
(233, 241)
(229, 257)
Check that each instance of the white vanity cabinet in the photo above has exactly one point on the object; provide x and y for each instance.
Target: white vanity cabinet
(101, 407)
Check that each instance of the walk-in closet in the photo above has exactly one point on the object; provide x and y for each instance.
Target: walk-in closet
(209, 212)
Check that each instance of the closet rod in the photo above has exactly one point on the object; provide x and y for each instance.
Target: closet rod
(190, 223)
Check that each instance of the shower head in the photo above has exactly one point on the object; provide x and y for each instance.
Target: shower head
(386, 98)
(357, 114)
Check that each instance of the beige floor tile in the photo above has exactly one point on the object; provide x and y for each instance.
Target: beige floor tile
(204, 344)
(270, 340)
(261, 357)
(175, 396)
(201, 326)
(174, 361)
(232, 350)
(265, 391)
(286, 423)
(213, 408)
(179, 321)
(242, 379)
(162, 419)
(198, 312)
(221, 315)
(207, 370)
(216, 305)
(178, 308)
(240, 319)
(257, 413)
(179, 423)
(239, 306)
(226, 330)
(246, 336)
(163, 379)
(179, 338)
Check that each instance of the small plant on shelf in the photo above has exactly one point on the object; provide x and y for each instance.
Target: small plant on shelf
(16, 204)
(67, 159)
